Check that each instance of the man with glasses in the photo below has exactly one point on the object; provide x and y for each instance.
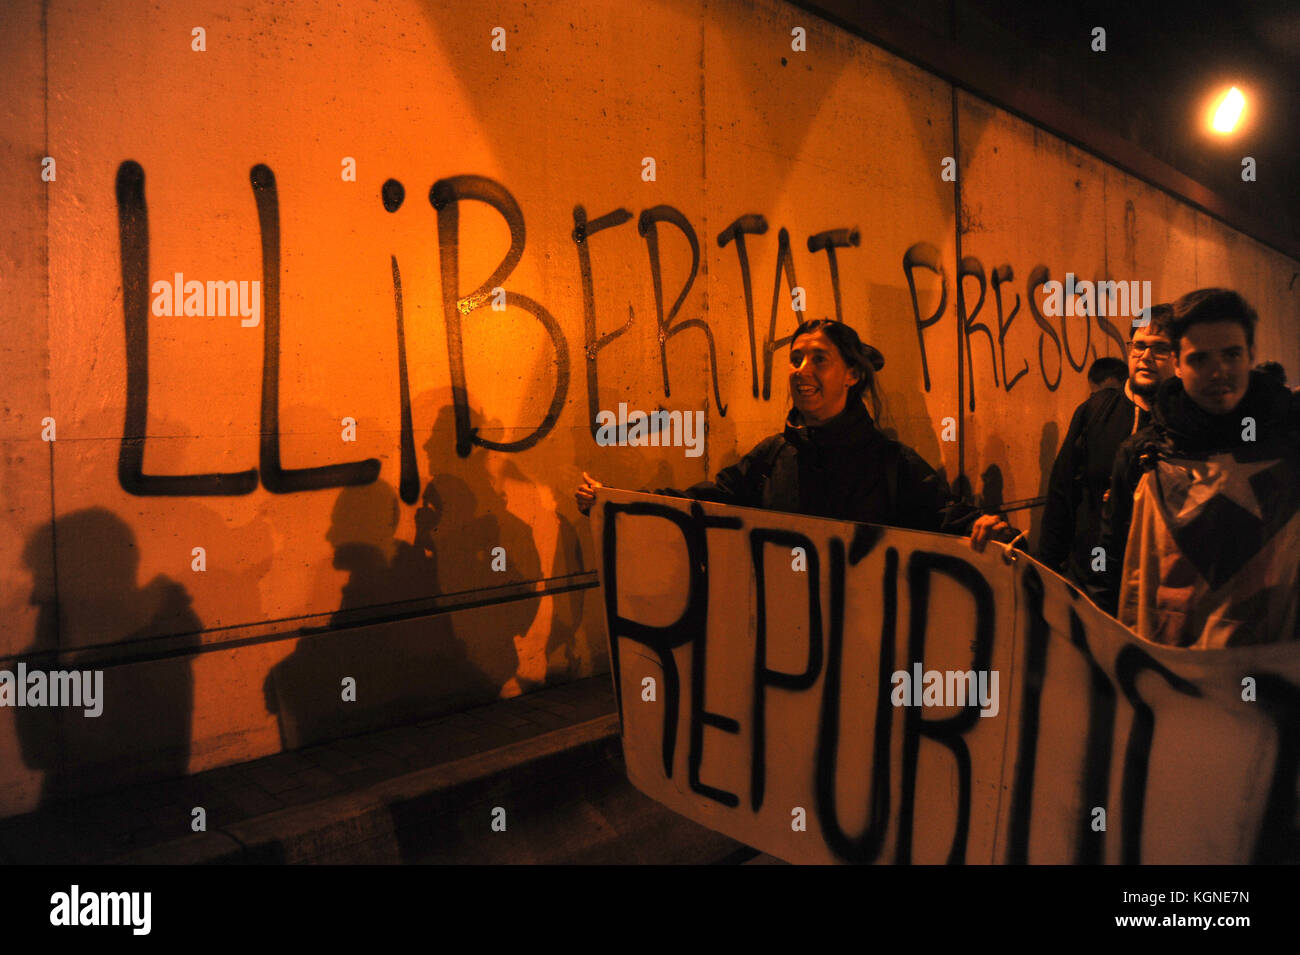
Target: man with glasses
(1080, 478)
(1201, 530)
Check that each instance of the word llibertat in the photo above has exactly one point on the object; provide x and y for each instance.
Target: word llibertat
(259, 302)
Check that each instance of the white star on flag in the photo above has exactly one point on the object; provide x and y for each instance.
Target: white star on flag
(1221, 474)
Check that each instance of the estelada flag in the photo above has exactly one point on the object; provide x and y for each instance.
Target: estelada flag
(1213, 555)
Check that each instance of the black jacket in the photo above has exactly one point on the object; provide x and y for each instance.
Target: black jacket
(1080, 479)
(845, 470)
(1179, 428)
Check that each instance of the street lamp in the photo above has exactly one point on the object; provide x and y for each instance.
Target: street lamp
(1227, 111)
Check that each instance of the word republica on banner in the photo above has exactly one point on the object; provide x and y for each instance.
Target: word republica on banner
(1098, 727)
(825, 660)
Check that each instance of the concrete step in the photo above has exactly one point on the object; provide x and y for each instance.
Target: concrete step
(566, 799)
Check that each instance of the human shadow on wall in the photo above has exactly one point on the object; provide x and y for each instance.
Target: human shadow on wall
(489, 502)
(543, 629)
(1047, 449)
(540, 542)
(238, 556)
(992, 489)
(143, 729)
(395, 667)
(905, 412)
(409, 659)
(990, 498)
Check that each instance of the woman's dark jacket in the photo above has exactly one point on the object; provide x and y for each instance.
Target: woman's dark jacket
(845, 470)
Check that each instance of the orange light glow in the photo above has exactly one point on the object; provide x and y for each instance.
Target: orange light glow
(1228, 112)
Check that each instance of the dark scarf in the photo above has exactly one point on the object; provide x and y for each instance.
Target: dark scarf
(852, 427)
(1179, 426)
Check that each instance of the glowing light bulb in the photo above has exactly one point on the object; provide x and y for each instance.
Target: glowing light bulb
(1229, 111)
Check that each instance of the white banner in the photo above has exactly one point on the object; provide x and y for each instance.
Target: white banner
(835, 692)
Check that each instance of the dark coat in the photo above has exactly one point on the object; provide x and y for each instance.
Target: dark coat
(845, 470)
(1181, 429)
(1080, 479)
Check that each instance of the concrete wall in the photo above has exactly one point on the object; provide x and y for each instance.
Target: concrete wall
(178, 432)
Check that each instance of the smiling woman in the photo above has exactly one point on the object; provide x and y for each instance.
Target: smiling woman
(831, 460)
(829, 367)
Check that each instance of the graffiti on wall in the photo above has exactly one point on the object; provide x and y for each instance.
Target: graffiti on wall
(791, 716)
(460, 305)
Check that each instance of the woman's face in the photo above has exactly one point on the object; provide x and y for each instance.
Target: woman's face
(819, 378)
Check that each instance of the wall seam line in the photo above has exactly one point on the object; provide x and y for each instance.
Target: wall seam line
(45, 120)
(960, 306)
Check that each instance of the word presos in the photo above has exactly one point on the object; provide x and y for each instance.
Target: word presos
(659, 429)
(103, 908)
(179, 297)
(84, 688)
(1125, 299)
(946, 688)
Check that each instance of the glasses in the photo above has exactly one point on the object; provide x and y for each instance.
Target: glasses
(1157, 349)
